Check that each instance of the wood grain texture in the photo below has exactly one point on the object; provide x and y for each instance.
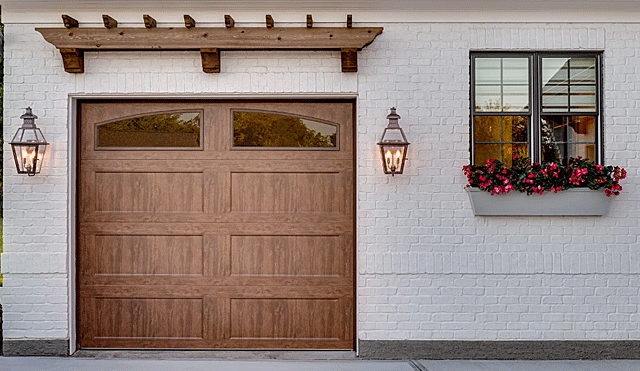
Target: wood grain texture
(189, 22)
(69, 22)
(73, 60)
(149, 21)
(109, 22)
(284, 318)
(149, 192)
(286, 192)
(210, 60)
(286, 256)
(237, 38)
(215, 247)
(145, 318)
(228, 21)
(131, 255)
(349, 57)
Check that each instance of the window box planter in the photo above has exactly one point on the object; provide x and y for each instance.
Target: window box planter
(575, 201)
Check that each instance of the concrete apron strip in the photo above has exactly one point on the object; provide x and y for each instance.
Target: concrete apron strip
(83, 364)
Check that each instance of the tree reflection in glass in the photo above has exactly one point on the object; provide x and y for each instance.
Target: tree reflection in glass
(260, 129)
(161, 131)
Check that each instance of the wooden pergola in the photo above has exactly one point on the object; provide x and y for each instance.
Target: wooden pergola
(73, 41)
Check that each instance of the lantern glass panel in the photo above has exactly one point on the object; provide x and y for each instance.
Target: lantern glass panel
(393, 135)
(393, 158)
(29, 157)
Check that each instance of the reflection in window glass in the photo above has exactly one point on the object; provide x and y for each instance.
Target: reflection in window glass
(500, 137)
(564, 137)
(501, 84)
(164, 130)
(259, 129)
(569, 84)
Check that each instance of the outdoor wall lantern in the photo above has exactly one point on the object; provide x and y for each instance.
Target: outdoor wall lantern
(393, 146)
(29, 146)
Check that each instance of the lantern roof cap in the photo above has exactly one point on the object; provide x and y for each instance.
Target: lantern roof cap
(393, 114)
(28, 114)
(29, 119)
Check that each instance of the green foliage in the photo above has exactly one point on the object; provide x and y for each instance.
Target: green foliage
(166, 123)
(252, 129)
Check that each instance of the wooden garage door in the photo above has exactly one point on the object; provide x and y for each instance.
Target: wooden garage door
(216, 225)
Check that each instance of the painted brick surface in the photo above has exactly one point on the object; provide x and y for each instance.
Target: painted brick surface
(427, 268)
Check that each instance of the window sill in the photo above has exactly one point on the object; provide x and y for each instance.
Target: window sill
(570, 202)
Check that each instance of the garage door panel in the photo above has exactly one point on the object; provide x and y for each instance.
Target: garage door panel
(149, 192)
(286, 256)
(286, 193)
(286, 318)
(174, 255)
(149, 318)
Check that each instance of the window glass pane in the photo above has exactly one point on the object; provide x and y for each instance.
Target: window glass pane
(583, 98)
(488, 71)
(167, 130)
(583, 71)
(501, 84)
(568, 129)
(515, 71)
(569, 84)
(514, 149)
(500, 137)
(260, 129)
(555, 71)
(502, 152)
(487, 128)
(484, 152)
(581, 129)
(515, 98)
(555, 98)
(488, 98)
(564, 137)
(514, 128)
(562, 152)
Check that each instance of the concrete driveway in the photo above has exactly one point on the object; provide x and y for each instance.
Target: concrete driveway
(93, 364)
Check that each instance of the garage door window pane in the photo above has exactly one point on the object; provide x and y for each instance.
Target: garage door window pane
(261, 129)
(169, 130)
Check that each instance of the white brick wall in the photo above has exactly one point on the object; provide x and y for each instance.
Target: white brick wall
(427, 268)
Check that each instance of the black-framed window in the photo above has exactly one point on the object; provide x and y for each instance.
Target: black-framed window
(542, 105)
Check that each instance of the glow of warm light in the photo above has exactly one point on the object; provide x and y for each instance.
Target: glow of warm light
(28, 155)
(393, 159)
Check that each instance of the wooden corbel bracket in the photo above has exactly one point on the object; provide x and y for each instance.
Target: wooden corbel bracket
(73, 42)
